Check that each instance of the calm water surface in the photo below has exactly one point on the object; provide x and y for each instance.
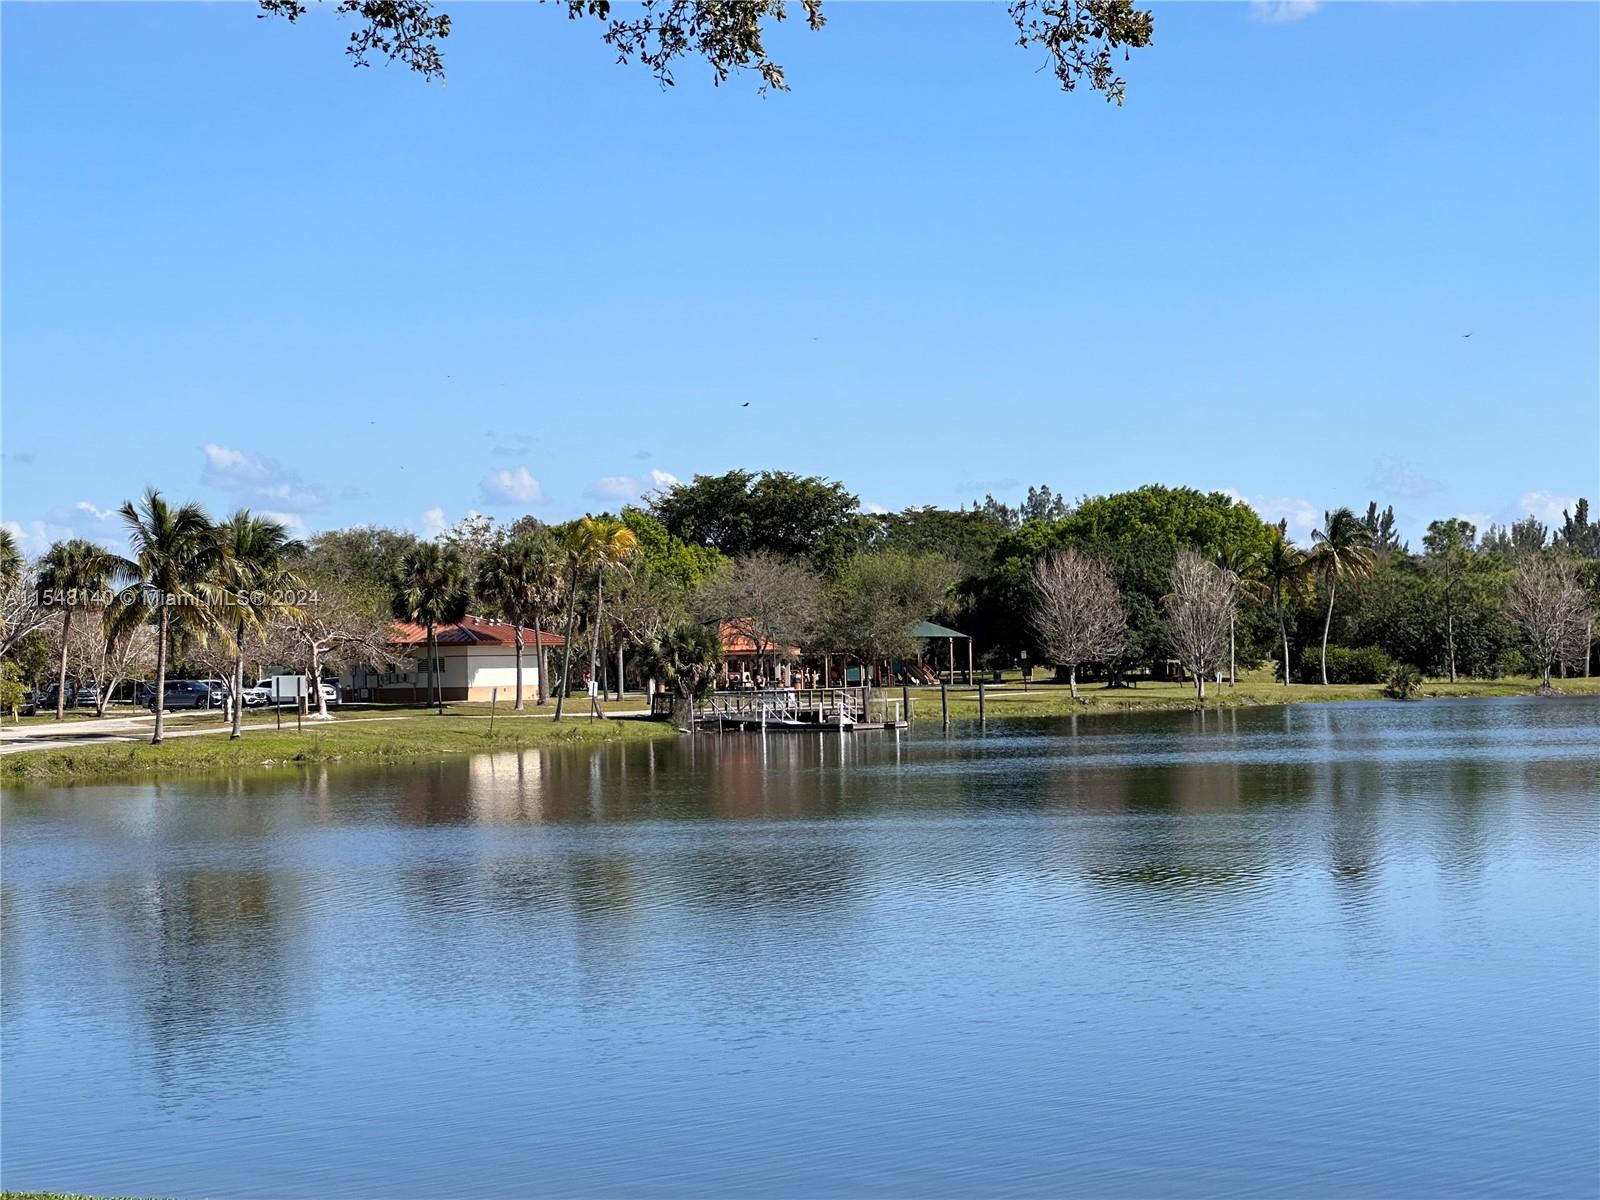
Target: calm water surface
(1342, 950)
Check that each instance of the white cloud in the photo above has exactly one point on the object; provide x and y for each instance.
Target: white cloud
(255, 478)
(1275, 12)
(614, 487)
(1393, 476)
(515, 485)
(1547, 506)
(876, 510)
(1301, 514)
(292, 522)
(432, 523)
(99, 514)
(81, 519)
(630, 487)
(35, 537)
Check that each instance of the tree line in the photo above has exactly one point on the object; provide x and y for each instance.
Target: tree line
(1114, 588)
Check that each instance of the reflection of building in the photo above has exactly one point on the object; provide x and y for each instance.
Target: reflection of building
(741, 659)
(476, 657)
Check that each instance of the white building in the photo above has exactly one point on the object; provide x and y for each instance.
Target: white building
(476, 657)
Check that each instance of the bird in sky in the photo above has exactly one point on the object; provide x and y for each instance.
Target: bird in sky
(1466, 335)
(746, 404)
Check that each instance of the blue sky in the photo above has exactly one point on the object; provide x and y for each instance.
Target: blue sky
(240, 270)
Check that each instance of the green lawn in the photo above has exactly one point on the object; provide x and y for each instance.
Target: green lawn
(1051, 699)
(406, 738)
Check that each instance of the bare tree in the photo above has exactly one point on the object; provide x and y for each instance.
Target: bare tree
(101, 659)
(1546, 599)
(1199, 613)
(20, 611)
(333, 625)
(770, 599)
(1076, 613)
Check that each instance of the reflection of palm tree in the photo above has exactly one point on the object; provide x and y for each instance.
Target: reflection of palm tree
(173, 549)
(1342, 550)
(1282, 568)
(591, 545)
(70, 574)
(250, 585)
(521, 578)
(430, 589)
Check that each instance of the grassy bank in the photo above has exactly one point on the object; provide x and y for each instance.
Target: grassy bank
(1055, 700)
(384, 736)
(392, 739)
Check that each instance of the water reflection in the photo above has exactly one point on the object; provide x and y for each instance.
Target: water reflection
(913, 947)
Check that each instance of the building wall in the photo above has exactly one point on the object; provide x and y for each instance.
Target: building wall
(468, 673)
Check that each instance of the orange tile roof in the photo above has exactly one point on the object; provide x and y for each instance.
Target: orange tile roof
(736, 641)
(474, 631)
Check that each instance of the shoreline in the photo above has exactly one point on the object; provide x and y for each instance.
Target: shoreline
(414, 737)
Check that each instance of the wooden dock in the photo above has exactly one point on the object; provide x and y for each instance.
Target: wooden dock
(838, 709)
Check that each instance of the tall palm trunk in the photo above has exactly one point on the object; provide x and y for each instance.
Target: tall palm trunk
(539, 692)
(1233, 678)
(238, 696)
(1450, 630)
(517, 636)
(1072, 679)
(619, 670)
(61, 681)
(238, 681)
(1327, 624)
(566, 648)
(438, 684)
(1283, 633)
(599, 613)
(237, 684)
(161, 671)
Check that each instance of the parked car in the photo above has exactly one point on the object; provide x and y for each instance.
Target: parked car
(87, 696)
(261, 693)
(219, 692)
(143, 693)
(256, 695)
(47, 696)
(185, 693)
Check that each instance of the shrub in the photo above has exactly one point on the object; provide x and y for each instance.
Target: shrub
(1369, 664)
(1404, 683)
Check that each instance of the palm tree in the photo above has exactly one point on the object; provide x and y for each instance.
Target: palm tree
(1342, 550)
(173, 549)
(251, 582)
(1284, 567)
(521, 578)
(10, 558)
(431, 589)
(71, 573)
(614, 544)
(590, 545)
(1243, 565)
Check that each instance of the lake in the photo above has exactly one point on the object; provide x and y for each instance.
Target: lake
(1344, 950)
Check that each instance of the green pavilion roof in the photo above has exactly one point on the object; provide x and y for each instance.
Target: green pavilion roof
(927, 629)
